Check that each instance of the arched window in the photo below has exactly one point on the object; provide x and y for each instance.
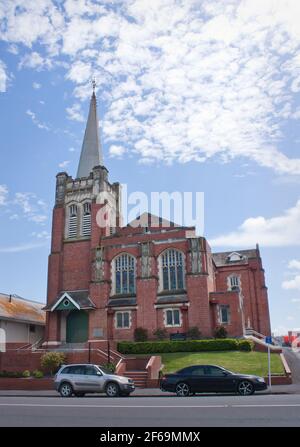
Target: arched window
(124, 270)
(72, 228)
(172, 265)
(86, 219)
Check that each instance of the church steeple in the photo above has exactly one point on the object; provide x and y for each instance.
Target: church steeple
(91, 151)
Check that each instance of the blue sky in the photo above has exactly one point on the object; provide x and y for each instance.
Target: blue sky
(192, 96)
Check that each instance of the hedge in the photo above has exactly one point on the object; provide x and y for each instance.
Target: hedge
(152, 347)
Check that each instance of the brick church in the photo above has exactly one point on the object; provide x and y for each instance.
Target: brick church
(106, 280)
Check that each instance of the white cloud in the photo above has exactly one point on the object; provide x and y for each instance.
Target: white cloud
(22, 247)
(3, 194)
(294, 283)
(36, 121)
(41, 235)
(74, 113)
(116, 151)
(36, 61)
(3, 77)
(36, 85)
(294, 264)
(182, 80)
(80, 72)
(64, 164)
(13, 49)
(282, 230)
(72, 149)
(33, 208)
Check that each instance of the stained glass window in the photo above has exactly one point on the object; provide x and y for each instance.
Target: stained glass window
(124, 274)
(172, 270)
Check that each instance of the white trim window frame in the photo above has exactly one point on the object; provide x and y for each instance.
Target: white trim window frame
(234, 282)
(171, 266)
(124, 274)
(123, 319)
(172, 317)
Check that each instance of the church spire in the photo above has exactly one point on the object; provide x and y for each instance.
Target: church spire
(91, 151)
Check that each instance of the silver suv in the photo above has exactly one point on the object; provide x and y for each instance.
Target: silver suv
(79, 379)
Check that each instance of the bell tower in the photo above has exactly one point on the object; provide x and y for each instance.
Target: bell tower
(86, 209)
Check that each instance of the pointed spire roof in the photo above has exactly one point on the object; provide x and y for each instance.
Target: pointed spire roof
(91, 151)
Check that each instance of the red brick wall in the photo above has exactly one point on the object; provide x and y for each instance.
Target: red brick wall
(70, 268)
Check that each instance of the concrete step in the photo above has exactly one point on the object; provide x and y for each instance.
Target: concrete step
(139, 378)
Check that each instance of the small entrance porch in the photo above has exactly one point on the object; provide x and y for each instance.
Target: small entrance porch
(72, 310)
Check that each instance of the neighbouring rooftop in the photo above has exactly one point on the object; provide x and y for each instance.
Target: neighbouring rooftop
(16, 308)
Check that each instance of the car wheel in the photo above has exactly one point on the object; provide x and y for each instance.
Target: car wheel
(112, 389)
(79, 394)
(245, 388)
(182, 389)
(65, 390)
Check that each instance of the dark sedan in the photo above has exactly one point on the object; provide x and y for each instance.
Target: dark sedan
(210, 379)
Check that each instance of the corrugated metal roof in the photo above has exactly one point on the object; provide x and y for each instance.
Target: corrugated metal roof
(13, 307)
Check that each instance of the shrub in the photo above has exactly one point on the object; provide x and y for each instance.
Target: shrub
(51, 361)
(153, 347)
(245, 345)
(140, 334)
(220, 332)
(193, 333)
(12, 374)
(110, 366)
(160, 334)
(26, 373)
(38, 374)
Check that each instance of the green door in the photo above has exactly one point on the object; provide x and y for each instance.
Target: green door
(77, 326)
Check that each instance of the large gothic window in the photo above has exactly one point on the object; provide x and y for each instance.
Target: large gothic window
(86, 219)
(124, 271)
(72, 228)
(172, 270)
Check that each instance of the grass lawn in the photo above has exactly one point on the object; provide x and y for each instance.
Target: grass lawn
(241, 362)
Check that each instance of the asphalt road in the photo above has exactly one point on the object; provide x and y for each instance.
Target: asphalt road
(201, 411)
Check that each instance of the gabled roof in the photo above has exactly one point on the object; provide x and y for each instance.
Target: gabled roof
(13, 307)
(91, 151)
(151, 220)
(79, 299)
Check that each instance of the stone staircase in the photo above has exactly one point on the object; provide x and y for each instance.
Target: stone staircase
(139, 378)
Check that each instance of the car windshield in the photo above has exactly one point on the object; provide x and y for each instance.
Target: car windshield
(105, 370)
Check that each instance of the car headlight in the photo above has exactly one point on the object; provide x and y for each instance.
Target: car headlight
(260, 379)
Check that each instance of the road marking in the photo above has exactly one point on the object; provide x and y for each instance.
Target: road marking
(111, 406)
(267, 405)
(145, 406)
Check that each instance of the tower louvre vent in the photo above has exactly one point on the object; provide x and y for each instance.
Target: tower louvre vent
(86, 220)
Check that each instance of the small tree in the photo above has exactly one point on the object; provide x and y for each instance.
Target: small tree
(193, 333)
(140, 334)
(160, 334)
(220, 332)
(51, 361)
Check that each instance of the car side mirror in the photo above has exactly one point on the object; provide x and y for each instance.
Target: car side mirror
(99, 373)
(225, 373)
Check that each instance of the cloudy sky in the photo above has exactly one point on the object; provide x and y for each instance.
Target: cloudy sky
(193, 96)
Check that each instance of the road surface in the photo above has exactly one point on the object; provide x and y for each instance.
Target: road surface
(139, 411)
